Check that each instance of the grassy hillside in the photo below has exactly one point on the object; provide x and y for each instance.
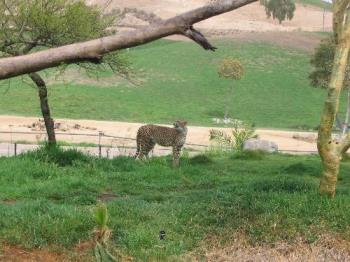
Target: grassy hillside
(46, 201)
(180, 81)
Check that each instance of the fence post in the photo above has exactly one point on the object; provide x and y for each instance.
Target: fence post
(15, 149)
(100, 134)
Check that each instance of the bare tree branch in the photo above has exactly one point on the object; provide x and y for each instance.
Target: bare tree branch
(95, 49)
(199, 38)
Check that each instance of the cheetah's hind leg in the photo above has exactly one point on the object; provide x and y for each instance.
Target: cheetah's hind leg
(148, 147)
(138, 149)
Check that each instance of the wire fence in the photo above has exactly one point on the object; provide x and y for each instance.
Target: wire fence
(97, 144)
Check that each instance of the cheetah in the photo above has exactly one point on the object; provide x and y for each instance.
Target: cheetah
(150, 135)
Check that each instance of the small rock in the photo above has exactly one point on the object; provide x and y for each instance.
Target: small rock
(258, 144)
(307, 138)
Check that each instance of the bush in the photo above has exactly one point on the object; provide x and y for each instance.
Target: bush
(57, 155)
(239, 134)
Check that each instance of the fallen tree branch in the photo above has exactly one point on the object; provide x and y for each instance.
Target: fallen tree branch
(95, 49)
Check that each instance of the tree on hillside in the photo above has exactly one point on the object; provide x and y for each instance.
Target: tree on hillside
(94, 50)
(322, 61)
(331, 150)
(279, 9)
(31, 25)
(230, 68)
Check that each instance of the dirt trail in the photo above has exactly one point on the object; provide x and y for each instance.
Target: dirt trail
(286, 140)
(248, 18)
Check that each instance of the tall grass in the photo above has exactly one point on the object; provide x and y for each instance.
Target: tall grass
(47, 203)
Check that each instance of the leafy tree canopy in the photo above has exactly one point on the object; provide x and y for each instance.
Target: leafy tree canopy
(28, 25)
(322, 61)
(279, 9)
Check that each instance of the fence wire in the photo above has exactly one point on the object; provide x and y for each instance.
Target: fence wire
(97, 144)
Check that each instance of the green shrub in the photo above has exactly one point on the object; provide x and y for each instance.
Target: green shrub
(57, 155)
(240, 133)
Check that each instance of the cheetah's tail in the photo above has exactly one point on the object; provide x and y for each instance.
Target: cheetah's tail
(137, 149)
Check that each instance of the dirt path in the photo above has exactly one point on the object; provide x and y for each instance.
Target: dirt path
(68, 130)
(248, 18)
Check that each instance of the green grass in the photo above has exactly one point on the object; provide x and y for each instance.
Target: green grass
(318, 3)
(180, 82)
(268, 198)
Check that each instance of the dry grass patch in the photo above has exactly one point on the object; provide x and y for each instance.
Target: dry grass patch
(326, 248)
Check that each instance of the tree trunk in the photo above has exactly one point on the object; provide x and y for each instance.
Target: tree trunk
(347, 116)
(45, 108)
(330, 163)
(330, 150)
(229, 99)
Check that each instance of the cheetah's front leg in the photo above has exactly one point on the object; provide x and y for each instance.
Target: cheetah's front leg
(176, 155)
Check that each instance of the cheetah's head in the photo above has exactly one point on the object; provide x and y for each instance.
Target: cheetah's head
(180, 125)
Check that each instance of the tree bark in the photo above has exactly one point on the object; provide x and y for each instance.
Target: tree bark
(229, 99)
(45, 108)
(347, 116)
(94, 50)
(331, 151)
(330, 163)
(43, 97)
